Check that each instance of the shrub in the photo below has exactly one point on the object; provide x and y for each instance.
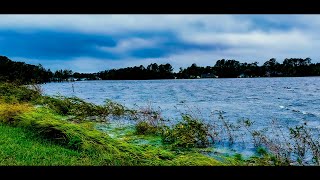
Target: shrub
(188, 133)
(144, 128)
(9, 112)
(44, 123)
(81, 109)
(113, 108)
(57, 104)
(149, 120)
(238, 157)
(12, 93)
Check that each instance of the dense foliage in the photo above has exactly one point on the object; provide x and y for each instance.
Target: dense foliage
(55, 131)
(290, 67)
(152, 71)
(20, 72)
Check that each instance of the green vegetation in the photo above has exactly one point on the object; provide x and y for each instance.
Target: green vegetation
(146, 128)
(188, 134)
(21, 147)
(69, 142)
(81, 110)
(223, 68)
(14, 93)
(275, 145)
(152, 71)
(22, 73)
(42, 130)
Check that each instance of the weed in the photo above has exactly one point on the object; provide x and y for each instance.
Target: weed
(188, 133)
(12, 93)
(9, 112)
(146, 128)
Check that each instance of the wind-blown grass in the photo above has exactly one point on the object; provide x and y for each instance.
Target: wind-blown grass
(87, 142)
(69, 126)
(19, 146)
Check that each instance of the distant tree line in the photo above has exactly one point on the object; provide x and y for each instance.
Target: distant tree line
(290, 67)
(152, 71)
(23, 73)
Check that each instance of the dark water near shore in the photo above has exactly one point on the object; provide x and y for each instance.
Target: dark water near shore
(290, 101)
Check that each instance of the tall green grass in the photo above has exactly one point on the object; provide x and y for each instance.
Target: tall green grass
(19, 146)
(65, 123)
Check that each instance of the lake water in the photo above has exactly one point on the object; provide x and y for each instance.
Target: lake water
(288, 100)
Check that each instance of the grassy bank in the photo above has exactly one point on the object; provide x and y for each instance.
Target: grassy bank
(19, 146)
(39, 130)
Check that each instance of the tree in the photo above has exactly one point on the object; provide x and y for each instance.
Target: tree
(227, 68)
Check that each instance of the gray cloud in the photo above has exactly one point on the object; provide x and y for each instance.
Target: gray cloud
(242, 37)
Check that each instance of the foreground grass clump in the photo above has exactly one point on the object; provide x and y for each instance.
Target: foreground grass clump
(81, 110)
(144, 128)
(21, 147)
(189, 133)
(9, 112)
(11, 93)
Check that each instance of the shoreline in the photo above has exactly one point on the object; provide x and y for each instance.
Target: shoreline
(72, 123)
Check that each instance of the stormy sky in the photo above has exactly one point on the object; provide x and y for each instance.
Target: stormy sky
(91, 43)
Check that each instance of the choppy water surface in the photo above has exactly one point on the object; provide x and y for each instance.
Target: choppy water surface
(288, 100)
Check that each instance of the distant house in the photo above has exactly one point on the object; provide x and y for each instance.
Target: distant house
(83, 79)
(97, 78)
(72, 79)
(243, 76)
(194, 77)
(208, 75)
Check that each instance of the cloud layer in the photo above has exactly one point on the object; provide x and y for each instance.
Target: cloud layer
(90, 43)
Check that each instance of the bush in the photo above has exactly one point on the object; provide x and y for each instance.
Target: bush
(81, 109)
(187, 134)
(59, 105)
(149, 121)
(75, 136)
(114, 108)
(9, 112)
(41, 122)
(11, 93)
(144, 128)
